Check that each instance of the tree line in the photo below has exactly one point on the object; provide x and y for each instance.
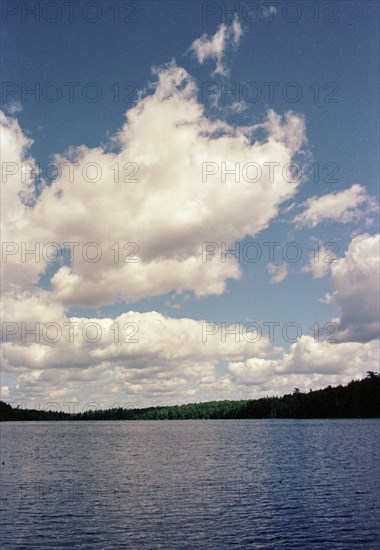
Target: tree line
(358, 399)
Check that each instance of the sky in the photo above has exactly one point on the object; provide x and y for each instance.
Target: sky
(189, 200)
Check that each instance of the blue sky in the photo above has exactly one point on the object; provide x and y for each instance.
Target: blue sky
(332, 64)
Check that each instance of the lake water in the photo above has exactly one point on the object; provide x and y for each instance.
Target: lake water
(190, 484)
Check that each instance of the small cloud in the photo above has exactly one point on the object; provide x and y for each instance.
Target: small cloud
(344, 207)
(171, 302)
(236, 31)
(320, 261)
(317, 269)
(13, 108)
(177, 300)
(270, 11)
(4, 392)
(214, 47)
(278, 272)
(328, 298)
(239, 106)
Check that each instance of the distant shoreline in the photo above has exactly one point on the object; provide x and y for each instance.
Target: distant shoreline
(358, 399)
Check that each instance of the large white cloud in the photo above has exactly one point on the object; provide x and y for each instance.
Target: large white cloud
(152, 190)
(145, 355)
(169, 212)
(150, 358)
(169, 376)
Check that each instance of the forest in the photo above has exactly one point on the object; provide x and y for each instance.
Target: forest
(358, 399)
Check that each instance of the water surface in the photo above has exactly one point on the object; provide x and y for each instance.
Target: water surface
(190, 484)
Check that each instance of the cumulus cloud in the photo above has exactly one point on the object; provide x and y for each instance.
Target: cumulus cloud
(151, 192)
(214, 47)
(130, 218)
(18, 192)
(146, 355)
(128, 221)
(154, 359)
(17, 170)
(130, 337)
(354, 286)
(344, 206)
(308, 364)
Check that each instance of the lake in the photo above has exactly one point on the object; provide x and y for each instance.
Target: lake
(191, 484)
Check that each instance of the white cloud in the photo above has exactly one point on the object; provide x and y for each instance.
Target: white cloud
(278, 272)
(308, 364)
(321, 259)
(168, 213)
(215, 47)
(18, 172)
(4, 392)
(171, 362)
(13, 107)
(322, 357)
(17, 168)
(146, 355)
(342, 207)
(136, 339)
(355, 289)
(238, 106)
(317, 269)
